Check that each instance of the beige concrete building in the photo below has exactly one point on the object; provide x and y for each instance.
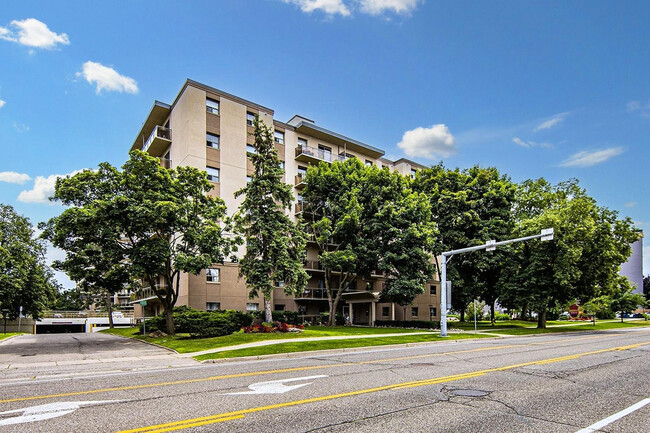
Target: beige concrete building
(209, 129)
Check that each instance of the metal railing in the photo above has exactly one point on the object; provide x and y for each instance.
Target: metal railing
(165, 163)
(158, 132)
(83, 314)
(146, 293)
(313, 293)
(322, 154)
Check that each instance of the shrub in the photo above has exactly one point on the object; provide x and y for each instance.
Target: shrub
(280, 316)
(420, 324)
(323, 319)
(201, 323)
(501, 316)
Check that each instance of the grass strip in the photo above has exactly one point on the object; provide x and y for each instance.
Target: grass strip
(9, 334)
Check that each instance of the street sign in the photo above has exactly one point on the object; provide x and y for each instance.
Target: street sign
(448, 295)
(491, 245)
(143, 303)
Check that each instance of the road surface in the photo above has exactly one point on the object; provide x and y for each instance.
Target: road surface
(544, 383)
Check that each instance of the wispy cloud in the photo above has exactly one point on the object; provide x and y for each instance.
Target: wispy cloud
(432, 143)
(529, 143)
(639, 107)
(550, 123)
(330, 7)
(21, 127)
(43, 189)
(630, 204)
(33, 33)
(588, 158)
(2, 103)
(378, 7)
(13, 177)
(346, 8)
(107, 78)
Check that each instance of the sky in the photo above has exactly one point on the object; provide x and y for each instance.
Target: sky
(550, 89)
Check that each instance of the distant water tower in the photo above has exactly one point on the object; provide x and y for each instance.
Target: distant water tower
(633, 268)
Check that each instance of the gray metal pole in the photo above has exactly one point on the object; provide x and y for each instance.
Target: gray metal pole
(443, 296)
(475, 327)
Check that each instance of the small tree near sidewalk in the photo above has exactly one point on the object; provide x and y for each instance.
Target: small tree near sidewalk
(275, 245)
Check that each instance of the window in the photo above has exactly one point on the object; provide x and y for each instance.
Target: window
(432, 289)
(279, 307)
(413, 172)
(213, 174)
(385, 311)
(212, 106)
(251, 306)
(302, 142)
(282, 165)
(248, 179)
(212, 140)
(278, 136)
(279, 283)
(302, 171)
(250, 118)
(433, 312)
(213, 275)
(212, 306)
(370, 285)
(414, 311)
(321, 284)
(324, 152)
(251, 149)
(369, 163)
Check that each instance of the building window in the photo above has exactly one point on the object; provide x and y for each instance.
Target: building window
(251, 149)
(369, 163)
(250, 118)
(213, 275)
(282, 165)
(370, 285)
(325, 152)
(302, 142)
(212, 106)
(278, 136)
(385, 311)
(248, 179)
(413, 172)
(279, 283)
(302, 171)
(212, 306)
(212, 140)
(433, 312)
(279, 307)
(432, 289)
(321, 284)
(414, 311)
(213, 174)
(252, 307)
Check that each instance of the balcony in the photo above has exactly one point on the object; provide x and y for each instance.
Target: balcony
(313, 293)
(158, 141)
(165, 163)
(314, 155)
(299, 180)
(145, 294)
(312, 265)
(299, 207)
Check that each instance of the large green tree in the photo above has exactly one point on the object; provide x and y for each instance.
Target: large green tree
(25, 279)
(275, 245)
(158, 222)
(365, 219)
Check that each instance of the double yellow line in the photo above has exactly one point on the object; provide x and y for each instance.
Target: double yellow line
(213, 419)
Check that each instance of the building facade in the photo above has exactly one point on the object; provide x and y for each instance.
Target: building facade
(211, 130)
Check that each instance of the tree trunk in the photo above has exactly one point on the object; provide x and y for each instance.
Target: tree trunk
(109, 308)
(541, 319)
(267, 310)
(492, 313)
(169, 321)
(462, 315)
(621, 317)
(524, 312)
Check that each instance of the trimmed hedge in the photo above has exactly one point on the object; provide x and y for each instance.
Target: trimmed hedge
(420, 324)
(291, 317)
(202, 323)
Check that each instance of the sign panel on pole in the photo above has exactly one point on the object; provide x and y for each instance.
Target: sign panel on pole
(448, 295)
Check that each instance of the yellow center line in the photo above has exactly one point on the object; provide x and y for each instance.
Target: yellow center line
(284, 370)
(179, 425)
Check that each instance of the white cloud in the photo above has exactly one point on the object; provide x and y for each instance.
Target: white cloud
(639, 107)
(43, 189)
(588, 158)
(630, 204)
(330, 7)
(523, 143)
(2, 103)
(106, 78)
(21, 127)
(431, 143)
(377, 7)
(33, 33)
(548, 124)
(13, 177)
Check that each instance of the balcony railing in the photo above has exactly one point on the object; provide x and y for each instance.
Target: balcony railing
(299, 180)
(300, 207)
(165, 163)
(160, 136)
(146, 293)
(313, 293)
(313, 265)
(81, 314)
(307, 153)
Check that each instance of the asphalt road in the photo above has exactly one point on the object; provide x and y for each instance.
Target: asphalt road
(545, 383)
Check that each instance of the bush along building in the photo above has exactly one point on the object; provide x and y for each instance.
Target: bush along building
(211, 130)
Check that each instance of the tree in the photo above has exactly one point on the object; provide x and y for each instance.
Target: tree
(70, 300)
(621, 300)
(166, 221)
(25, 279)
(583, 260)
(646, 287)
(469, 207)
(365, 219)
(275, 245)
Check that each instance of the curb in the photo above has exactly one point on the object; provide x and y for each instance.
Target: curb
(308, 353)
(149, 343)
(4, 340)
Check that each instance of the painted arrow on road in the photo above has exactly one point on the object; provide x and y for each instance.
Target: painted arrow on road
(276, 386)
(46, 411)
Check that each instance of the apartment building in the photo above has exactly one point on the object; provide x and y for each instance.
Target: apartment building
(211, 130)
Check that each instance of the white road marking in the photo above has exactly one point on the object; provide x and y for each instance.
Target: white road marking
(602, 423)
(46, 411)
(276, 386)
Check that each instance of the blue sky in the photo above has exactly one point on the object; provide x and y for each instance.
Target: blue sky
(538, 88)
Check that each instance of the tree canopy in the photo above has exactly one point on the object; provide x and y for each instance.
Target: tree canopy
(25, 280)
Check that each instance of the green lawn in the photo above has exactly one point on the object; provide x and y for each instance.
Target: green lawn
(9, 334)
(334, 344)
(519, 327)
(182, 343)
